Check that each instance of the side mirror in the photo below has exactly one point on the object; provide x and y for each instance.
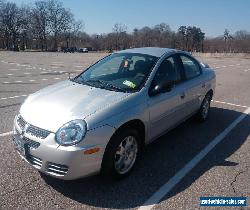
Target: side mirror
(162, 87)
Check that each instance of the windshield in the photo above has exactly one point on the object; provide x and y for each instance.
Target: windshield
(125, 72)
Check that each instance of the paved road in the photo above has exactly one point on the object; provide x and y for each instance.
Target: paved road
(225, 171)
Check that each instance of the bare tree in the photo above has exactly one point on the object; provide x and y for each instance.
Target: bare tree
(71, 34)
(120, 35)
(60, 20)
(182, 32)
(14, 21)
(40, 23)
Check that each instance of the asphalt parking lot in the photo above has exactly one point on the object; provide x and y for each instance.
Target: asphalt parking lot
(224, 171)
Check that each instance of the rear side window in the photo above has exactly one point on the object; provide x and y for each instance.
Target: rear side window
(191, 68)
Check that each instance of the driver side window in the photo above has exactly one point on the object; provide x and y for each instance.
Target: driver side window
(167, 71)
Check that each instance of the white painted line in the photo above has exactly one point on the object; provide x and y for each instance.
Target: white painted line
(29, 68)
(79, 70)
(6, 134)
(27, 73)
(58, 62)
(18, 81)
(56, 78)
(78, 66)
(9, 74)
(169, 185)
(44, 79)
(11, 97)
(6, 82)
(231, 104)
(14, 69)
(32, 80)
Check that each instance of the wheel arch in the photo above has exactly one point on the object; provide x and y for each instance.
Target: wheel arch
(135, 124)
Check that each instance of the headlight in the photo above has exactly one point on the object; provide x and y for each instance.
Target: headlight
(71, 132)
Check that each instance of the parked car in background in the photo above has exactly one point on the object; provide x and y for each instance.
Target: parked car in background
(83, 50)
(70, 50)
(101, 119)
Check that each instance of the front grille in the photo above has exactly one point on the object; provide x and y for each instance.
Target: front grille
(21, 122)
(31, 129)
(57, 169)
(31, 143)
(37, 132)
(35, 161)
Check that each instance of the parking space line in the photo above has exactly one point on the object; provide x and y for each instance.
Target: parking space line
(31, 80)
(11, 97)
(169, 185)
(6, 134)
(231, 104)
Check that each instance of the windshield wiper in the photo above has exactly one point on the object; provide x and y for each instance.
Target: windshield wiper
(105, 84)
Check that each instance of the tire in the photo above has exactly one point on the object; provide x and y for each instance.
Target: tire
(119, 160)
(204, 108)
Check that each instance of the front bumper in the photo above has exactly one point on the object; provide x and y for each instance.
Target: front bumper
(66, 162)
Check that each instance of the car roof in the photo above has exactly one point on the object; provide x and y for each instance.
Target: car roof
(153, 51)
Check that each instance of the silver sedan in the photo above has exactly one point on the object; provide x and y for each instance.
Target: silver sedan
(101, 119)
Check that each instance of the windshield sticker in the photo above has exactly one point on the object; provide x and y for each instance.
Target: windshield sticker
(129, 84)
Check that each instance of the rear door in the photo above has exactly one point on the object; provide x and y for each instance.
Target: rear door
(193, 83)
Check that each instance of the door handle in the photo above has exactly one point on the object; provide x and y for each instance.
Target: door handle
(182, 95)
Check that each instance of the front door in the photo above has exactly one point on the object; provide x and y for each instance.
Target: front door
(166, 109)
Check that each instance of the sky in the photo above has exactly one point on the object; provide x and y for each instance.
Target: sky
(212, 16)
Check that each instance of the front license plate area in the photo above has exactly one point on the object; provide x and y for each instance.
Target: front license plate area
(20, 145)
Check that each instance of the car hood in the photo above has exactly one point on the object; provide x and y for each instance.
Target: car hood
(58, 104)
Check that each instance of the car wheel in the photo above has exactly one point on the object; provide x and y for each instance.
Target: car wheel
(205, 107)
(121, 154)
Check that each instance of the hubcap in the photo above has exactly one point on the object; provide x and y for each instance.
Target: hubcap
(126, 154)
(205, 108)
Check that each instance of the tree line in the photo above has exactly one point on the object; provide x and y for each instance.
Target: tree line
(48, 26)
